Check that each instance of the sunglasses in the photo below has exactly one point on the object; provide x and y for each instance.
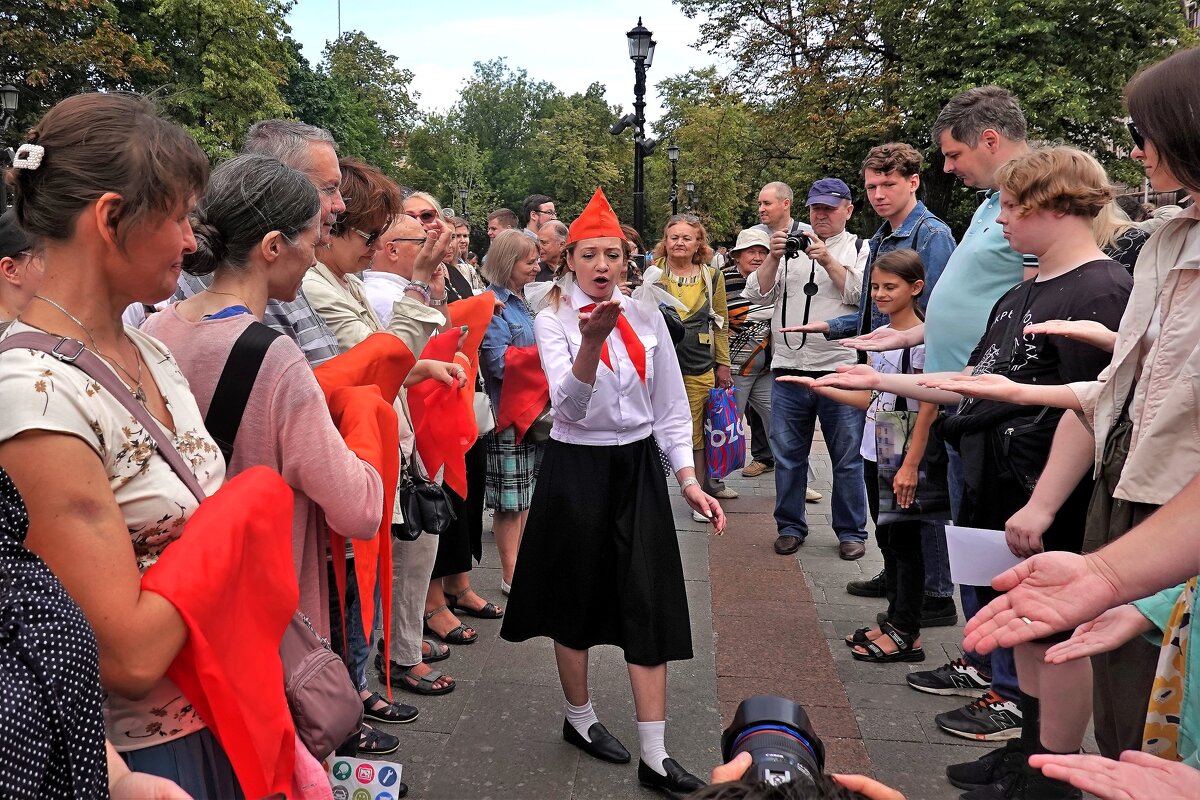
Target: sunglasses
(1138, 140)
(419, 241)
(369, 238)
(427, 216)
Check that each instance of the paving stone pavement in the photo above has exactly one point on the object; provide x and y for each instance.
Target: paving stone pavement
(761, 624)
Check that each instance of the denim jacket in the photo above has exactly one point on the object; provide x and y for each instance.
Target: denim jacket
(920, 231)
(510, 327)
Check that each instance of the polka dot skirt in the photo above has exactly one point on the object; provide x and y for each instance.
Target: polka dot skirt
(51, 723)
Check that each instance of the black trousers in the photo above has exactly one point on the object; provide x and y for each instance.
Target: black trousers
(760, 444)
(903, 560)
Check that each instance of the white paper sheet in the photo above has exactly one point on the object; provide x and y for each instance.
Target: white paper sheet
(977, 555)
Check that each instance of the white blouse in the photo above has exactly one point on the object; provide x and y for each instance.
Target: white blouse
(618, 408)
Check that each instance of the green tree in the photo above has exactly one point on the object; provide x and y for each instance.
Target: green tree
(51, 49)
(227, 59)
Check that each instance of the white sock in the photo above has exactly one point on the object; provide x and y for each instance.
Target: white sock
(581, 718)
(652, 737)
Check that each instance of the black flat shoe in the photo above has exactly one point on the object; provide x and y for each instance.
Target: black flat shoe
(677, 780)
(603, 745)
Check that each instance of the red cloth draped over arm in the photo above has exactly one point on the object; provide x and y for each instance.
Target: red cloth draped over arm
(378, 366)
(443, 416)
(525, 391)
(231, 577)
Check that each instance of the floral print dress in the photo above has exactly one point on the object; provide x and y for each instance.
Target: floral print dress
(39, 392)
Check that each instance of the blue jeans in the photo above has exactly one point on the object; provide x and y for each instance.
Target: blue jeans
(794, 414)
(937, 560)
(1001, 664)
(356, 641)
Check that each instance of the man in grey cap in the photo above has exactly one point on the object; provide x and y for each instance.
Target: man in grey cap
(823, 278)
(20, 269)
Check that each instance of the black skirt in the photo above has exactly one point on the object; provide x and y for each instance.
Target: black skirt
(599, 560)
(464, 538)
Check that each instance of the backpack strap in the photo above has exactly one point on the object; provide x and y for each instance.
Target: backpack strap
(237, 380)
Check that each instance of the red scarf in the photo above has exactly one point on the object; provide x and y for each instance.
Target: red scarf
(444, 416)
(360, 386)
(231, 577)
(633, 344)
(525, 391)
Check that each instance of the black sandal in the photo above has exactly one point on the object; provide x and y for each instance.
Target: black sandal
(905, 648)
(858, 639)
(376, 743)
(457, 635)
(489, 610)
(391, 713)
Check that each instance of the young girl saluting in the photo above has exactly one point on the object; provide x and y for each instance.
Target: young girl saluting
(897, 280)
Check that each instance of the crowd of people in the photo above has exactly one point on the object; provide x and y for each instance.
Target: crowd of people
(300, 312)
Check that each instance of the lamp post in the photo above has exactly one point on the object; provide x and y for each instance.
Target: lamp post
(8, 112)
(690, 186)
(462, 197)
(641, 51)
(673, 154)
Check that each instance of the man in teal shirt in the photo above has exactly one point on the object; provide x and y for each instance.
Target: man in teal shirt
(978, 131)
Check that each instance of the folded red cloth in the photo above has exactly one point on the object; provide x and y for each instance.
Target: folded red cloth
(231, 577)
(525, 391)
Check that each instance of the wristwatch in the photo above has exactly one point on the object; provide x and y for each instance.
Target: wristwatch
(686, 482)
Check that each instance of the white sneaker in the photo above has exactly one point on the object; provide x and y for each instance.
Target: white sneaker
(726, 494)
(813, 496)
(696, 515)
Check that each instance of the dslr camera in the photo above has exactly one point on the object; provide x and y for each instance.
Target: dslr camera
(779, 738)
(796, 244)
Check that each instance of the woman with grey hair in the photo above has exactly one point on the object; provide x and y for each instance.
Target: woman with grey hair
(256, 230)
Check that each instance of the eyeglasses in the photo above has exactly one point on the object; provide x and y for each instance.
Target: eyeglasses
(550, 214)
(419, 241)
(369, 239)
(427, 216)
(1138, 139)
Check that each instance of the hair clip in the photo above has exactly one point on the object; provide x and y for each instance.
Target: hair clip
(29, 156)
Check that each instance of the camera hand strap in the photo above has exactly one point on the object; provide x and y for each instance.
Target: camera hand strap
(810, 289)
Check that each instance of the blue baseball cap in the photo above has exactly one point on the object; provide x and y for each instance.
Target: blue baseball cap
(829, 192)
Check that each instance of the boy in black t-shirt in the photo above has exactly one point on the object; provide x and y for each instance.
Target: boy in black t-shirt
(1049, 198)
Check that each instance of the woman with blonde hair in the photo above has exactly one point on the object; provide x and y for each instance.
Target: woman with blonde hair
(684, 256)
(512, 465)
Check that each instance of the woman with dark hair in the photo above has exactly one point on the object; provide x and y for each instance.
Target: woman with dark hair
(684, 255)
(256, 229)
(104, 186)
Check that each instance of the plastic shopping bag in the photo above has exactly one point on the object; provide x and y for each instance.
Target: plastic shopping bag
(724, 435)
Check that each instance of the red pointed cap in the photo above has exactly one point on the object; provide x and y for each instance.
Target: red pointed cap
(596, 221)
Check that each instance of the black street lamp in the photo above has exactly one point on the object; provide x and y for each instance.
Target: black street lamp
(462, 196)
(641, 51)
(673, 154)
(690, 186)
(8, 112)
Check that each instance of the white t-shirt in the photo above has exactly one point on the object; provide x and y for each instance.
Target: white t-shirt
(888, 363)
(39, 392)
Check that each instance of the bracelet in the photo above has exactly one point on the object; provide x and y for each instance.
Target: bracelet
(686, 482)
(420, 287)
(437, 301)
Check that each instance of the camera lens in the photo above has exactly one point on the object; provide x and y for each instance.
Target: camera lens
(779, 738)
(794, 244)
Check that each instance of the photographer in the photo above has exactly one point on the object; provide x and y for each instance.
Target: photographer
(819, 280)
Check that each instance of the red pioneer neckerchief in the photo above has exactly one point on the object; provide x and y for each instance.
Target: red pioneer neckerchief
(629, 337)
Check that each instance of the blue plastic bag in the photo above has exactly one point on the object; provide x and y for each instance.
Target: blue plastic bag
(724, 435)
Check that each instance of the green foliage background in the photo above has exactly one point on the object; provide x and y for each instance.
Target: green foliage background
(810, 86)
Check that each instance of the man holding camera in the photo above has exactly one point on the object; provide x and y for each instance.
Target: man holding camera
(812, 275)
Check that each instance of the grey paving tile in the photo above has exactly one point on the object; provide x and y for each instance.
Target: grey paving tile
(918, 770)
(890, 726)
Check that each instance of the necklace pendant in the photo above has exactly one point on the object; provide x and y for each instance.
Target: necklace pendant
(140, 395)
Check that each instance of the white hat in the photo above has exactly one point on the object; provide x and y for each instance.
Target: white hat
(751, 237)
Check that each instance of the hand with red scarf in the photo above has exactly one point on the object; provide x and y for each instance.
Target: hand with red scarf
(595, 325)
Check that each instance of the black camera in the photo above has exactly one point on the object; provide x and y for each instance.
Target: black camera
(779, 738)
(795, 245)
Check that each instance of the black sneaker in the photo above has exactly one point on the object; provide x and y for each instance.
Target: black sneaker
(957, 677)
(991, 718)
(1024, 783)
(987, 769)
(938, 612)
(868, 588)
